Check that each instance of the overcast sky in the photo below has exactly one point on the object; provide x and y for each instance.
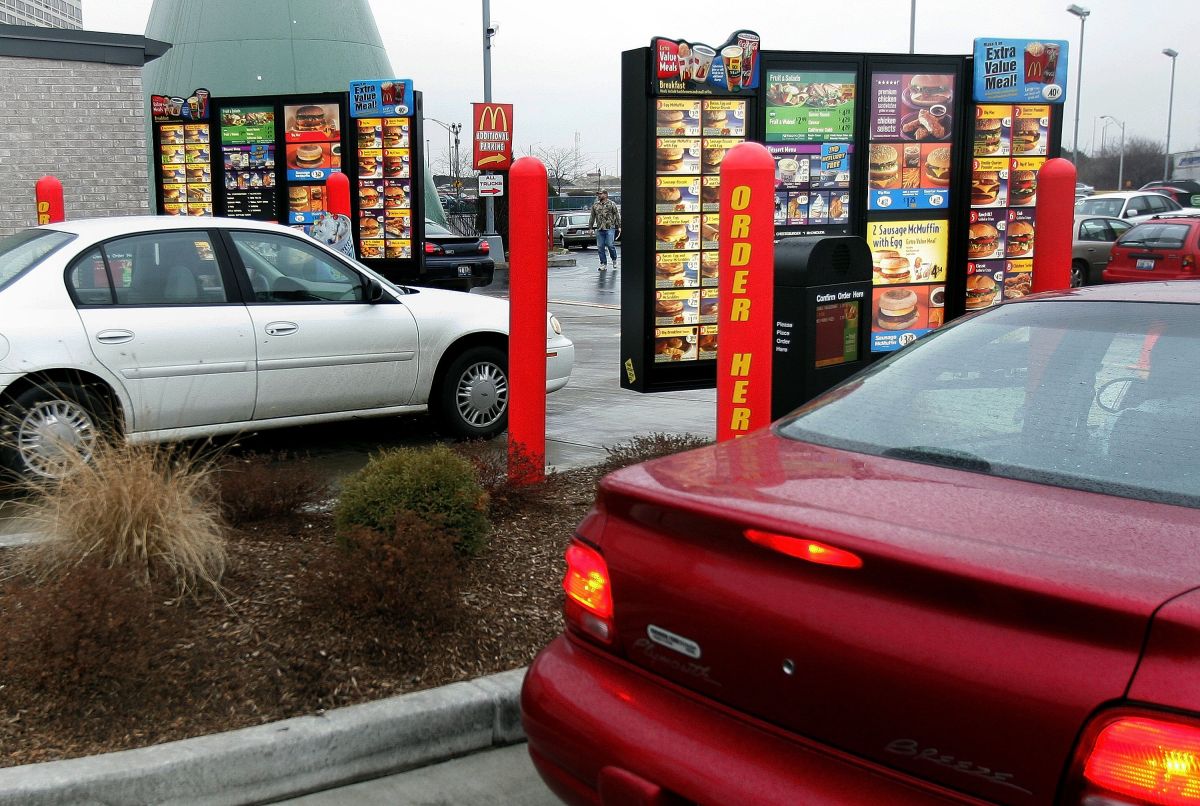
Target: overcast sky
(559, 62)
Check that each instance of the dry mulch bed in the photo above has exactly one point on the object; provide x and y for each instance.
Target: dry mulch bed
(270, 650)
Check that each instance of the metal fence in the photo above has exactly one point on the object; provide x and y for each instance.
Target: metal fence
(462, 223)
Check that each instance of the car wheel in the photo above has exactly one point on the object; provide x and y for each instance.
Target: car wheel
(1078, 275)
(472, 402)
(43, 425)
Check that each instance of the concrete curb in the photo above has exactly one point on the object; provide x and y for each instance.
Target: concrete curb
(289, 758)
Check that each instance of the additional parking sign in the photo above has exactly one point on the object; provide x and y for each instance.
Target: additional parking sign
(491, 185)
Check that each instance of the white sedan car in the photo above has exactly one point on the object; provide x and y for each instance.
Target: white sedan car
(1134, 206)
(176, 328)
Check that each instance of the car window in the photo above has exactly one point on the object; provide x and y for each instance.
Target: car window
(433, 228)
(1138, 205)
(176, 267)
(1155, 235)
(1118, 227)
(23, 250)
(1096, 396)
(1162, 204)
(282, 269)
(1099, 206)
(1094, 229)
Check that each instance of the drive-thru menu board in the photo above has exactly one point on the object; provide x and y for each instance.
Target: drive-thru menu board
(313, 143)
(382, 112)
(248, 160)
(911, 161)
(182, 140)
(809, 131)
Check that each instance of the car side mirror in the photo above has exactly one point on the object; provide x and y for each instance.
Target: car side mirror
(374, 290)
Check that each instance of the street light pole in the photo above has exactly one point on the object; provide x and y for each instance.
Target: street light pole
(1082, 13)
(489, 31)
(912, 28)
(1171, 54)
(1121, 161)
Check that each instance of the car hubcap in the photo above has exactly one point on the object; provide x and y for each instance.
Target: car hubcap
(482, 394)
(51, 432)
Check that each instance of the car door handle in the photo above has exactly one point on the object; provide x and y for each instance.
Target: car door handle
(114, 336)
(281, 328)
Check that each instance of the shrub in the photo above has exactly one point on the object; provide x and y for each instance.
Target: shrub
(432, 482)
(645, 448)
(490, 462)
(256, 487)
(147, 510)
(89, 637)
(410, 574)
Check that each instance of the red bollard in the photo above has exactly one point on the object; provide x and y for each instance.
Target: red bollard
(528, 212)
(337, 194)
(746, 295)
(48, 192)
(1055, 224)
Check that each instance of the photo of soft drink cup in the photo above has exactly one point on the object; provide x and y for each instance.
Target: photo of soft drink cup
(685, 62)
(702, 56)
(202, 98)
(731, 55)
(749, 45)
(174, 107)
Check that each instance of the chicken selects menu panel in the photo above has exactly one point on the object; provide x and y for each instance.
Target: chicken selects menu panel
(910, 162)
(692, 138)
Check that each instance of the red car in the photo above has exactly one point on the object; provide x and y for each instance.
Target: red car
(967, 575)
(1162, 248)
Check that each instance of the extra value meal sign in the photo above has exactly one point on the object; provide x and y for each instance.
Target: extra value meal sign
(493, 136)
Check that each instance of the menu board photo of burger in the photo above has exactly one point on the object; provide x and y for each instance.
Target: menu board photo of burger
(910, 129)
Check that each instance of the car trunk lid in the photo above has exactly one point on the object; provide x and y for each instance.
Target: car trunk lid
(968, 648)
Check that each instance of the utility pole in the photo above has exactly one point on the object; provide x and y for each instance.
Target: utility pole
(488, 33)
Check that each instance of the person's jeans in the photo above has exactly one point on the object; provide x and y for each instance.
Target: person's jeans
(607, 238)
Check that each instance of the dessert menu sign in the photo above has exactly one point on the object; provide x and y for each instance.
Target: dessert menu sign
(910, 130)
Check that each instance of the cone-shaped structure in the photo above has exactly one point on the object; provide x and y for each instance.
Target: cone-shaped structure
(263, 47)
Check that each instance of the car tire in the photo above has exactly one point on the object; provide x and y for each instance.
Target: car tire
(472, 401)
(40, 421)
(1078, 275)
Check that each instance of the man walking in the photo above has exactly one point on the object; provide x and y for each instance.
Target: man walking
(606, 218)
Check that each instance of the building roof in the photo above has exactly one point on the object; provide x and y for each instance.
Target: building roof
(38, 42)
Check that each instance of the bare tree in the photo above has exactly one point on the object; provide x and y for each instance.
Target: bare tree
(561, 164)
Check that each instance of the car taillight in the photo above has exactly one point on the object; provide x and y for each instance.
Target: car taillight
(484, 247)
(589, 604)
(433, 249)
(1138, 759)
(1188, 263)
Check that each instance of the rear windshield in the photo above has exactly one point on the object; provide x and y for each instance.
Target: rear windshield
(433, 228)
(1098, 396)
(1099, 206)
(1156, 236)
(23, 250)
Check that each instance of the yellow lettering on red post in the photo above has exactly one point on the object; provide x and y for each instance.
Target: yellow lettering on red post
(740, 255)
(740, 198)
(740, 227)
(740, 420)
(741, 310)
(740, 366)
(739, 281)
(739, 391)
(43, 207)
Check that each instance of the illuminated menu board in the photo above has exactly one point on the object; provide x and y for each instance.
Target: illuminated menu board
(383, 115)
(248, 162)
(183, 150)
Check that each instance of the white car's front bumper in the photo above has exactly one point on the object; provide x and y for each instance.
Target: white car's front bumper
(560, 359)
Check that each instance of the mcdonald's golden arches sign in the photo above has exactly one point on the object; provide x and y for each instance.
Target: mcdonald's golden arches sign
(493, 136)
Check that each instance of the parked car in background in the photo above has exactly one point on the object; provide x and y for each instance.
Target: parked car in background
(1084, 189)
(165, 328)
(988, 595)
(1182, 195)
(455, 205)
(1190, 185)
(1164, 248)
(574, 229)
(1094, 237)
(456, 261)
(1131, 205)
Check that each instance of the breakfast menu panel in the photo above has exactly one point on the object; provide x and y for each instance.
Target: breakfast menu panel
(1010, 145)
(692, 138)
(248, 160)
(810, 133)
(183, 153)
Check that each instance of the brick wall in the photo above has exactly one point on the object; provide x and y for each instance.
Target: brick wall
(80, 121)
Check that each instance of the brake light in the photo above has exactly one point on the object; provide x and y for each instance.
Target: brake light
(1139, 760)
(484, 247)
(1188, 263)
(433, 249)
(801, 548)
(589, 604)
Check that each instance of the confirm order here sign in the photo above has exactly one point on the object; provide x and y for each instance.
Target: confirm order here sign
(746, 291)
